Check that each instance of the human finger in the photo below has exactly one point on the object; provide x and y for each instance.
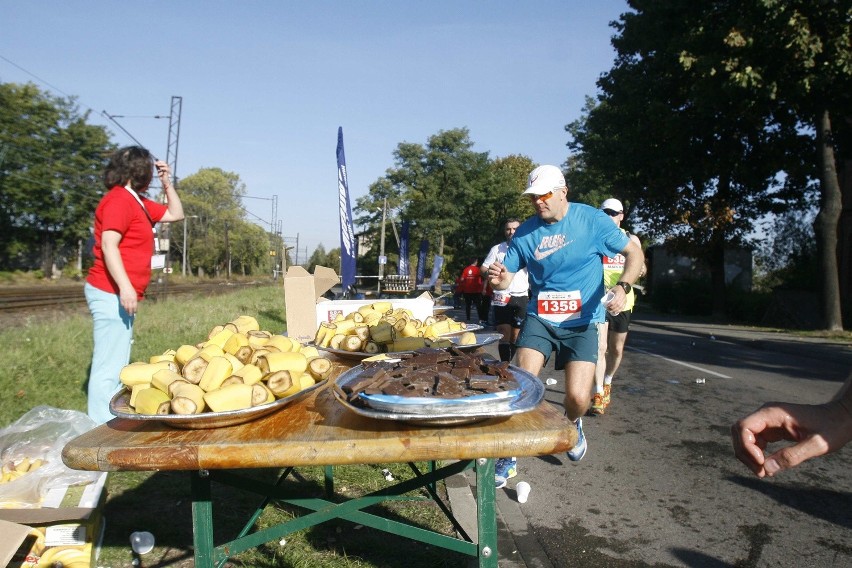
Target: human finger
(746, 448)
(791, 456)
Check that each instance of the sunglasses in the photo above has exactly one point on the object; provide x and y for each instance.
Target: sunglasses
(612, 212)
(542, 197)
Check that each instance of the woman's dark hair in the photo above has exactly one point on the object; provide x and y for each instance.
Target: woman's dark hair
(132, 163)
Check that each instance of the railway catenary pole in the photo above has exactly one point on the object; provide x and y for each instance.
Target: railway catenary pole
(171, 160)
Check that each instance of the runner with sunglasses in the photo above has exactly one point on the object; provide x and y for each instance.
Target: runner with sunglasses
(562, 248)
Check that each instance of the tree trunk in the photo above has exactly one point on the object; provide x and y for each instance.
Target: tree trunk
(825, 225)
(717, 278)
(46, 255)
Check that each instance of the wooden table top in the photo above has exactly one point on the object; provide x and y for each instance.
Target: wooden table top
(315, 431)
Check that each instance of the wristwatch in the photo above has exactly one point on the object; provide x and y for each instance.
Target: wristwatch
(627, 287)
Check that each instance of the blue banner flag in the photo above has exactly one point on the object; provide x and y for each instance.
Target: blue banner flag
(403, 250)
(347, 231)
(437, 264)
(421, 260)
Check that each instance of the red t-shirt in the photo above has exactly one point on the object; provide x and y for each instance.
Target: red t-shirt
(470, 280)
(120, 212)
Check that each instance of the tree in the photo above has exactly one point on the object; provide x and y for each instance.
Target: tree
(51, 164)
(796, 54)
(447, 190)
(221, 237)
(700, 160)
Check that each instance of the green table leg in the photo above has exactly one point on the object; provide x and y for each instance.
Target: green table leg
(486, 513)
(202, 519)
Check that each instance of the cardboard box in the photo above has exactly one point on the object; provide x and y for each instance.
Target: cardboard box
(306, 308)
(301, 292)
(69, 518)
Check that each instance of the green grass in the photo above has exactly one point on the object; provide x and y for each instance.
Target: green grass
(47, 361)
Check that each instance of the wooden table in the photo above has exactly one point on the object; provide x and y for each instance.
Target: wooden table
(319, 431)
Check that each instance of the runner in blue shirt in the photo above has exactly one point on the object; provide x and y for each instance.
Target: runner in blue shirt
(562, 249)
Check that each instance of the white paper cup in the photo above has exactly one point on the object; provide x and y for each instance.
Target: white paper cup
(523, 491)
(142, 542)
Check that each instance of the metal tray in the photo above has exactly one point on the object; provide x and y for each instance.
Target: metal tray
(470, 327)
(442, 413)
(120, 406)
(482, 339)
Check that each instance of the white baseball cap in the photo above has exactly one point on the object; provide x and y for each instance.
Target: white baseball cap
(613, 205)
(544, 179)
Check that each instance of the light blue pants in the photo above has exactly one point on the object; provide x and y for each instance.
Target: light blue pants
(113, 335)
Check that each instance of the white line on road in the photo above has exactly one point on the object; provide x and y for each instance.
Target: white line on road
(631, 348)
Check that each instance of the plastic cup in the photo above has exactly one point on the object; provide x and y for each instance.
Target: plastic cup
(142, 542)
(608, 297)
(523, 491)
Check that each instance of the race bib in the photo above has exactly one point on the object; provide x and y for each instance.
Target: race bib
(557, 307)
(500, 298)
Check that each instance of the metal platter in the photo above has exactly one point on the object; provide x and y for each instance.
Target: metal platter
(470, 327)
(120, 406)
(482, 339)
(443, 412)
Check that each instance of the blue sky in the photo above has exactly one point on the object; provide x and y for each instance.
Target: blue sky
(265, 84)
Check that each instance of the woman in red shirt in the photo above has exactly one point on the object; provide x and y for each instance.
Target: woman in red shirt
(123, 250)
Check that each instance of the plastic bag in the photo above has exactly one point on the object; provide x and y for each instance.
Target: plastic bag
(40, 434)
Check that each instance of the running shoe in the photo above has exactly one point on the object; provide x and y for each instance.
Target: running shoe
(504, 469)
(577, 452)
(606, 393)
(598, 405)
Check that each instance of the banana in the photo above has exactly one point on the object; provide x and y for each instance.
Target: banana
(319, 368)
(250, 374)
(194, 369)
(235, 343)
(187, 398)
(184, 353)
(231, 397)
(282, 383)
(246, 323)
(137, 373)
(383, 307)
(467, 338)
(285, 361)
(351, 343)
(306, 381)
(309, 351)
(382, 333)
(283, 343)
(260, 394)
(235, 363)
(218, 369)
(163, 378)
(134, 392)
(152, 401)
(211, 350)
(258, 338)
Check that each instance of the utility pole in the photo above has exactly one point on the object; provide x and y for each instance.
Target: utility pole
(171, 160)
(382, 249)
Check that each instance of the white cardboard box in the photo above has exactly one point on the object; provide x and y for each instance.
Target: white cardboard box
(71, 512)
(306, 308)
(301, 292)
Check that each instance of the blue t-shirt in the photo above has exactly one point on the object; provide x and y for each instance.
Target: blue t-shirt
(564, 262)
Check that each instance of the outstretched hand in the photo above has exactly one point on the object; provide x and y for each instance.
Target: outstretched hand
(815, 430)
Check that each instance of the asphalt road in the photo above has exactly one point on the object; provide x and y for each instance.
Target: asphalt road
(660, 486)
